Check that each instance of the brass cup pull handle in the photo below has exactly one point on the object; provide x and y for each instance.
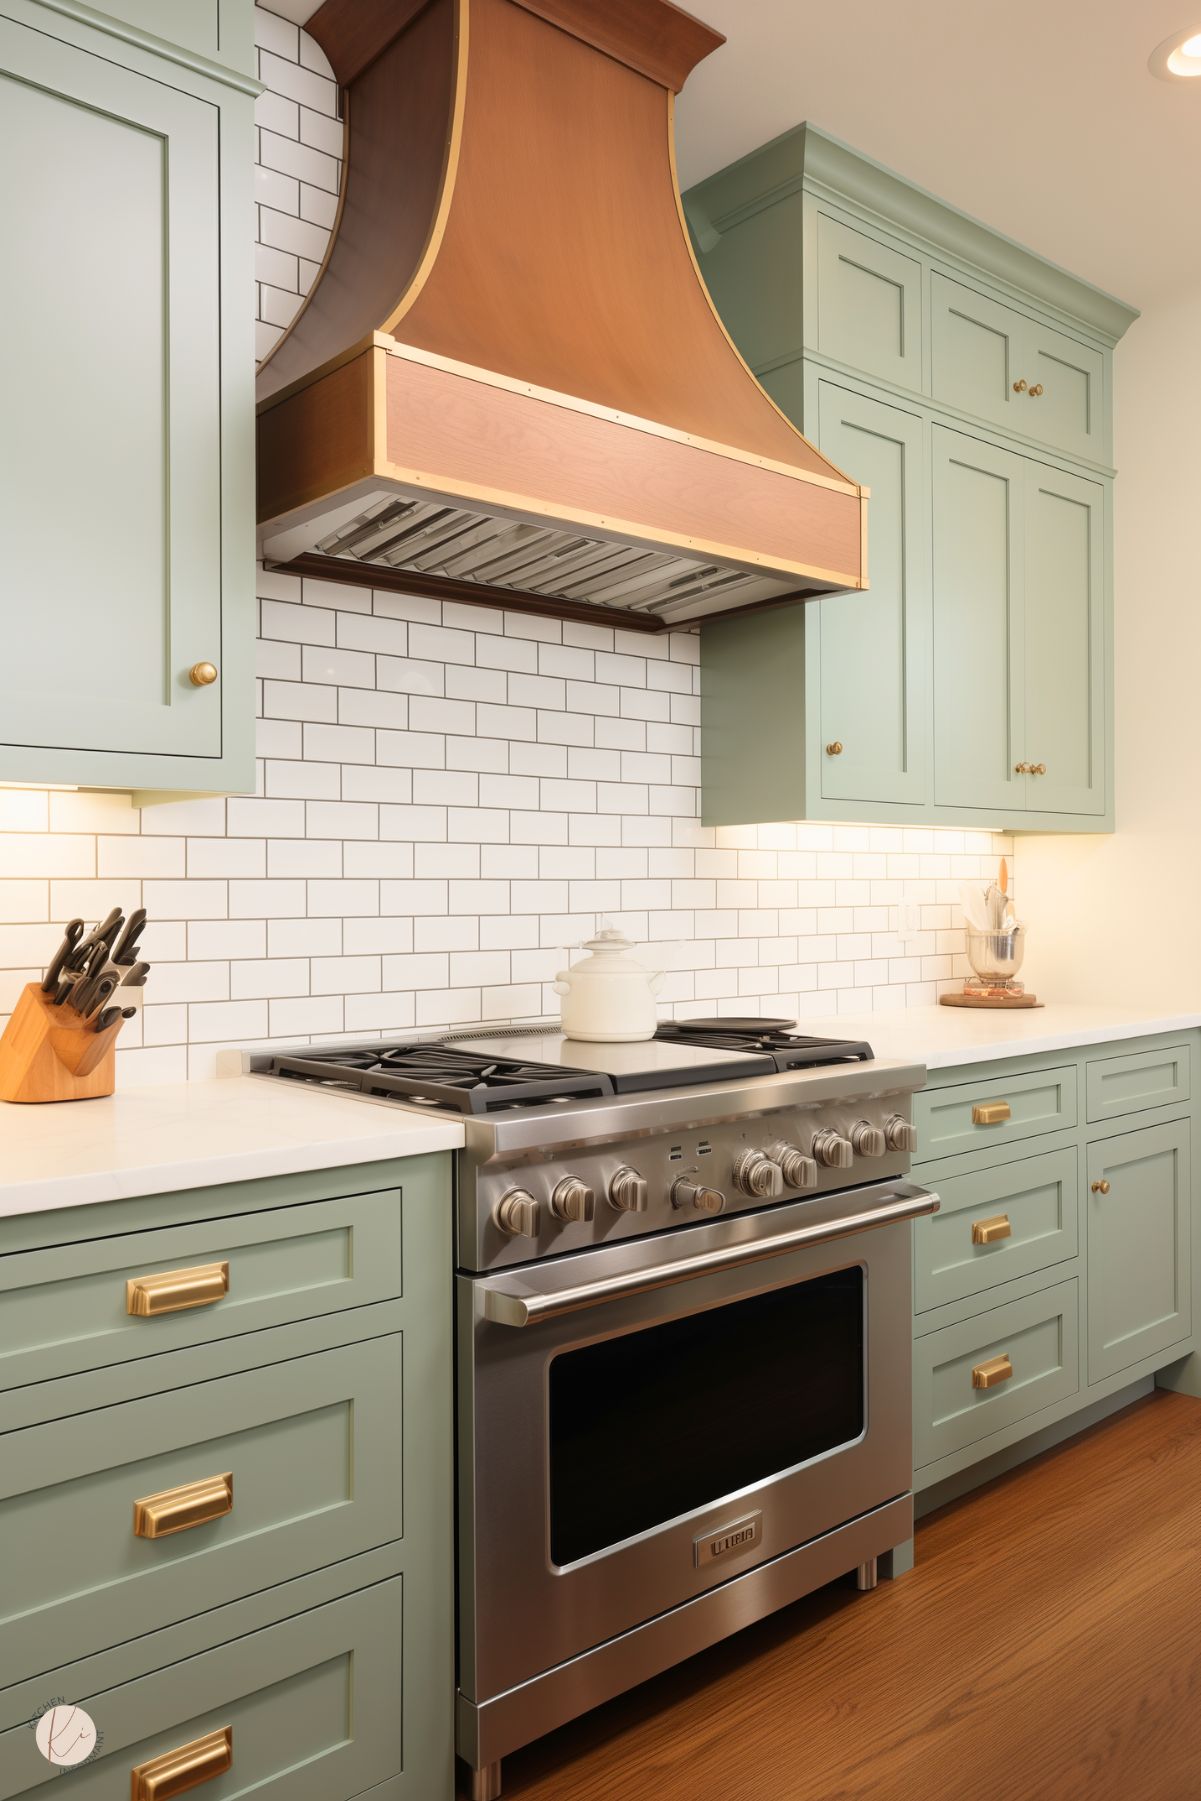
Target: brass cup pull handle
(1101, 1187)
(834, 749)
(172, 1290)
(1036, 389)
(1019, 387)
(178, 1509)
(991, 1113)
(991, 1231)
(175, 1772)
(992, 1373)
(202, 675)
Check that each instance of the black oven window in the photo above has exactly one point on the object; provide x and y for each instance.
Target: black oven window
(658, 1422)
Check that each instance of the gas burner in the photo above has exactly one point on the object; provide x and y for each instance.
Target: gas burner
(442, 1077)
(766, 1038)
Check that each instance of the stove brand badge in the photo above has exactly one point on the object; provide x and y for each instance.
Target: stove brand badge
(66, 1736)
(729, 1540)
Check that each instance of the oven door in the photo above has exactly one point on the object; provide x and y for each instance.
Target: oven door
(640, 1422)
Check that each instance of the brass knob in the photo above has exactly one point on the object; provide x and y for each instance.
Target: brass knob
(835, 749)
(1021, 769)
(1036, 390)
(202, 674)
(1038, 769)
(1019, 387)
(1101, 1187)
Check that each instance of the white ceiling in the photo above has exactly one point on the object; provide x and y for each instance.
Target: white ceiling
(1038, 116)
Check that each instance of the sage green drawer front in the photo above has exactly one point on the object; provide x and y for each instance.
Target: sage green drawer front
(995, 1225)
(995, 1110)
(314, 1450)
(1038, 1335)
(312, 1705)
(869, 303)
(1139, 1211)
(1117, 1085)
(64, 1309)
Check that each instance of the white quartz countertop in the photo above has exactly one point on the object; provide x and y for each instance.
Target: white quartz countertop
(153, 1140)
(942, 1037)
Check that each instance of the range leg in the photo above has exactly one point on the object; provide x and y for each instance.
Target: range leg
(485, 1782)
(867, 1575)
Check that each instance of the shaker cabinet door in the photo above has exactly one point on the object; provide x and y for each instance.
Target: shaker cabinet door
(1138, 1209)
(978, 586)
(110, 367)
(977, 347)
(874, 647)
(1065, 649)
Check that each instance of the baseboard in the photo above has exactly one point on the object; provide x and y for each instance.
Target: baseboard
(952, 1487)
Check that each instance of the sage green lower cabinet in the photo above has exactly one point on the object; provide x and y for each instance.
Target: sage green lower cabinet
(1060, 1270)
(170, 1483)
(313, 1705)
(1139, 1213)
(1035, 1337)
(65, 1308)
(995, 1225)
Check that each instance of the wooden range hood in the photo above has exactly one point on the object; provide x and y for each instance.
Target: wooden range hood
(509, 384)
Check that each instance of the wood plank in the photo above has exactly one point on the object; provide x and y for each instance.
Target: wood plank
(1044, 1649)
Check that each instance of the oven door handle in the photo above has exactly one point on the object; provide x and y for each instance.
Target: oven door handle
(508, 1306)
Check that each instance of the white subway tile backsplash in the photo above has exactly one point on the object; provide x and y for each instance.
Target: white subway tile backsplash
(449, 794)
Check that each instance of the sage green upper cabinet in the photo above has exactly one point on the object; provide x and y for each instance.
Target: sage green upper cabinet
(1019, 633)
(979, 711)
(125, 361)
(1004, 366)
(871, 661)
(965, 382)
(868, 309)
(1064, 641)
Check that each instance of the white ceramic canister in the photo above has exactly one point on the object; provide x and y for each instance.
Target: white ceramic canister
(608, 997)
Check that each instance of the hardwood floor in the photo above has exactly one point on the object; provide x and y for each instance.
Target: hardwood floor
(1047, 1647)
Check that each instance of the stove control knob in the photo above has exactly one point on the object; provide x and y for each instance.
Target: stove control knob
(518, 1214)
(572, 1200)
(798, 1170)
(628, 1191)
(685, 1193)
(757, 1175)
(868, 1140)
(900, 1134)
(832, 1149)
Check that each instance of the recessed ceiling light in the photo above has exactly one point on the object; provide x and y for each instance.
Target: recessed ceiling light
(1178, 58)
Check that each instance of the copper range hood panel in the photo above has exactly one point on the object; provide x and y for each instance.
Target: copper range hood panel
(509, 383)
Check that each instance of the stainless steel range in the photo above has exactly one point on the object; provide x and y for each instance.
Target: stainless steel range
(683, 1316)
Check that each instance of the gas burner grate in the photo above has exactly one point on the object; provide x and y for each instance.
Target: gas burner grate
(443, 1078)
(767, 1038)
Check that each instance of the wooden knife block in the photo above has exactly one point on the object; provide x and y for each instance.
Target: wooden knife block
(48, 1053)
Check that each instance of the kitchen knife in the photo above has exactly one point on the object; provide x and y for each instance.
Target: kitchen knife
(125, 951)
(104, 934)
(57, 963)
(94, 993)
(108, 1018)
(136, 978)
